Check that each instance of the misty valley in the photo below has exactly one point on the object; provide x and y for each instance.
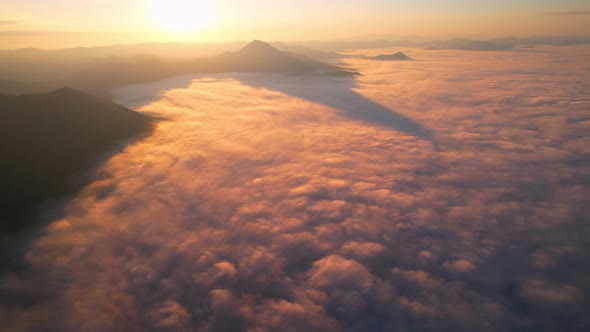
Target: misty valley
(434, 186)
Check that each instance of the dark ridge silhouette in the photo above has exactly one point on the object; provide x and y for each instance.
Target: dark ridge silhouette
(48, 139)
(399, 56)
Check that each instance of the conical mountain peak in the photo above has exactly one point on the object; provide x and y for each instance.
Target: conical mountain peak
(258, 46)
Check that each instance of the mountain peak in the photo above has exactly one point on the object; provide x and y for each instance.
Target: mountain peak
(396, 56)
(257, 46)
(259, 56)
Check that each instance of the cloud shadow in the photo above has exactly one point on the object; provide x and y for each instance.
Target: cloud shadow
(338, 93)
(335, 92)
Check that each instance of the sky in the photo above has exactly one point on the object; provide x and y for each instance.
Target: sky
(64, 23)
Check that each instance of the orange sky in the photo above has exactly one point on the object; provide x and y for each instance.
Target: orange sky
(68, 23)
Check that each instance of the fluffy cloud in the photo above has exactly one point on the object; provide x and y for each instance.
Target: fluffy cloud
(550, 293)
(461, 265)
(265, 202)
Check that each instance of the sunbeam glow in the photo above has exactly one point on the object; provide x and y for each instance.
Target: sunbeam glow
(182, 15)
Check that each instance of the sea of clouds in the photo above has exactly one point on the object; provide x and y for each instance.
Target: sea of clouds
(449, 193)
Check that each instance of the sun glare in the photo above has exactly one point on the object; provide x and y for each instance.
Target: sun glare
(182, 15)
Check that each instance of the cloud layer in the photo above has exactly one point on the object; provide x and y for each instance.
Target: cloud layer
(257, 207)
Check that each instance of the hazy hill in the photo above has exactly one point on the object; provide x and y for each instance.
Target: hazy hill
(37, 65)
(33, 70)
(46, 139)
(257, 56)
(171, 51)
(461, 44)
(399, 56)
(97, 69)
(262, 57)
(100, 77)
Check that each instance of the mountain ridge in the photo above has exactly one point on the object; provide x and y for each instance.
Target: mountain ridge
(46, 139)
(256, 56)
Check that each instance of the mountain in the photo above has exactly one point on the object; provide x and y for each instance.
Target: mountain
(48, 139)
(100, 76)
(262, 57)
(399, 56)
(43, 70)
(168, 50)
(257, 56)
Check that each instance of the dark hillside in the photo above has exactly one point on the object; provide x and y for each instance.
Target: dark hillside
(47, 138)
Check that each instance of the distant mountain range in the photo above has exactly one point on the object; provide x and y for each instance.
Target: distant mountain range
(35, 70)
(262, 57)
(455, 43)
(46, 139)
(257, 56)
(173, 51)
(99, 77)
(307, 51)
(399, 56)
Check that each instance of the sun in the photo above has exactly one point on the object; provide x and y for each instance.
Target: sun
(182, 15)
